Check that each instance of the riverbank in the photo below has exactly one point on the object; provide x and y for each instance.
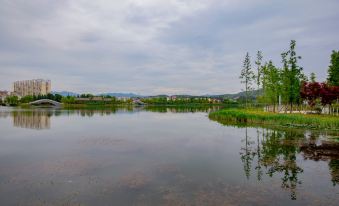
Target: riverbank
(307, 121)
(65, 105)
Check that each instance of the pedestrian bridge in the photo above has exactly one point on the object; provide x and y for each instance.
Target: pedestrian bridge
(45, 102)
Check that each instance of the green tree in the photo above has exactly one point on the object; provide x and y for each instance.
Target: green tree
(12, 100)
(313, 77)
(68, 100)
(87, 96)
(292, 76)
(258, 62)
(333, 70)
(57, 97)
(273, 84)
(50, 96)
(113, 100)
(27, 99)
(247, 76)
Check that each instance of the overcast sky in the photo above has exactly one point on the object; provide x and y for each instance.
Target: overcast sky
(157, 46)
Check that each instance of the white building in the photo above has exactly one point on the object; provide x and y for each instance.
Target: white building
(32, 87)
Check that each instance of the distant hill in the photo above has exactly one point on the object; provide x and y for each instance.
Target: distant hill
(68, 93)
(252, 94)
(238, 95)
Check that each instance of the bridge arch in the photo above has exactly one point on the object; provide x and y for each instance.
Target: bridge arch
(45, 101)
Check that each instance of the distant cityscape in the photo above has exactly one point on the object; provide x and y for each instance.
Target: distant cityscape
(42, 87)
(32, 87)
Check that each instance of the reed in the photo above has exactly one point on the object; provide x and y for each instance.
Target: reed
(246, 116)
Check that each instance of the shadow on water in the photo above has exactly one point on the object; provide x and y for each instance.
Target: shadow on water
(274, 151)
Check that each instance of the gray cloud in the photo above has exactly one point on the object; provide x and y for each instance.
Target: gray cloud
(154, 46)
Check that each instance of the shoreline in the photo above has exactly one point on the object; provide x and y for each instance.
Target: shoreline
(257, 117)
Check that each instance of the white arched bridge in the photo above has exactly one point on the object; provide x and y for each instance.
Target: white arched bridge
(45, 101)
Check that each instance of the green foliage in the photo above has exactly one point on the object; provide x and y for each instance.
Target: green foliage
(12, 100)
(312, 77)
(333, 70)
(247, 75)
(229, 101)
(30, 98)
(272, 80)
(27, 99)
(68, 100)
(179, 101)
(284, 82)
(260, 117)
(86, 95)
(113, 99)
(292, 75)
(95, 100)
(259, 74)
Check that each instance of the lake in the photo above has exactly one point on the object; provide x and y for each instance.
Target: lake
(160, 156)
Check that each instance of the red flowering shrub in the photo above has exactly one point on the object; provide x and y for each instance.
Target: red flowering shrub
(311, 91)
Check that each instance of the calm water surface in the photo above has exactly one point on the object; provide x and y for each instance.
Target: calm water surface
(160, 156)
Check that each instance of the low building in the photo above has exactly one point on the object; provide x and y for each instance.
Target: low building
(3, 95)
(123, 98)
(92, 99)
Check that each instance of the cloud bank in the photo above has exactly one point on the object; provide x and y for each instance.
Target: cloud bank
(155, 46)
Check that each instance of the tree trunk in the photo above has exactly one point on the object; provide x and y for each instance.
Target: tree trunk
(246, 94)
(291, 108)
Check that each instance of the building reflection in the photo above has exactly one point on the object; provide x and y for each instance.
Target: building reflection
(32, 119)
(4, 114)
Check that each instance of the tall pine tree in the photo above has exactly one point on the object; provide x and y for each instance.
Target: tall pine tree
(259, 74)
(247, 76)
(291, 76)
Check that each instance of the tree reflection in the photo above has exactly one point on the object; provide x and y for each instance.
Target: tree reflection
(326, 151)
(247, 155)
(334, 168)
(258, 168)
(274, 152)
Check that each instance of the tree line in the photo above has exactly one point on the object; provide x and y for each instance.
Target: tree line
(182, 100)
(288, 85)
(15, 100)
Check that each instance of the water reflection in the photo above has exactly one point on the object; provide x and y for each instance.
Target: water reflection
(183, 109)
(324, 151)
(160, 156)
(32, 119)
(273, 152)
(40, 119)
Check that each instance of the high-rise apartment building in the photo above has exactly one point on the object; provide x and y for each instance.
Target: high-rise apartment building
(32, 87)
